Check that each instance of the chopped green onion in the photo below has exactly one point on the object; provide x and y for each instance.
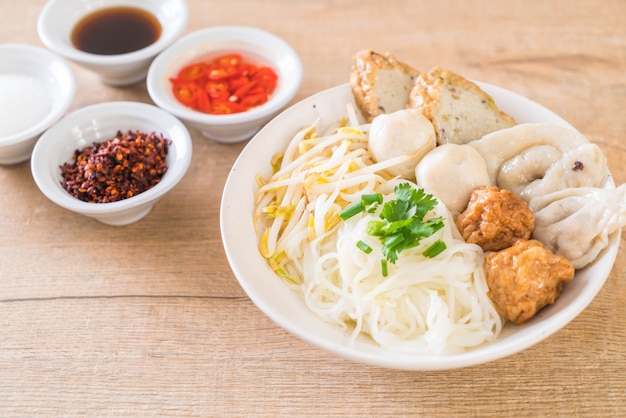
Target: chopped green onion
(368, 203)
(350, 211)
(368, 199)
(435, 249)
(383, 265)
(371, 201)
(364, 247)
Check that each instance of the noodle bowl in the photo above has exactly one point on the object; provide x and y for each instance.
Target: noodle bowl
(425, 305)
(283, 302)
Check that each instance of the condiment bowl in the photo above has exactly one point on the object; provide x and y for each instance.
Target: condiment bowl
(98, 123)
(37, 88)
(254, 45)
(58, 19)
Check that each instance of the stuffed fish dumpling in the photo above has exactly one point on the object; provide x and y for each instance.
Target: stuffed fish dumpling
(506, 144)
(584, 166)
(576, 222)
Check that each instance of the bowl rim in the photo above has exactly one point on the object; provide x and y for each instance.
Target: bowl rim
(42, 171)
(262, 285)
(186, 46)
(58, 107)
(170, 31)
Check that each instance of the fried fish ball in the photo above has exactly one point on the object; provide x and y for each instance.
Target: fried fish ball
(495, 218)
(524, 278)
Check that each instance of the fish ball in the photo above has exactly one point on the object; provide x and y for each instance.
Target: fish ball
(403, 133)
(451, 172)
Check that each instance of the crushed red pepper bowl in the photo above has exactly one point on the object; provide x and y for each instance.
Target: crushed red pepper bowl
(59, 18)
(97, 124)
(256, 47)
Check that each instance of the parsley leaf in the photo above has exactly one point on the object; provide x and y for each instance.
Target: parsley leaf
(401, 225)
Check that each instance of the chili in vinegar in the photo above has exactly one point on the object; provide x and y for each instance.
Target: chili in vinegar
(224, 85)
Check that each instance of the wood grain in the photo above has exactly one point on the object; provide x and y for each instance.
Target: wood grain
(148, 319)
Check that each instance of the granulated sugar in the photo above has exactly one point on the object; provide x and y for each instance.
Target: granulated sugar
(24, 102)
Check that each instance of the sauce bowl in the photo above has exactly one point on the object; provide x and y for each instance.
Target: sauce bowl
(97, 123)
(54, 76)
(254, 45)
(58, 19)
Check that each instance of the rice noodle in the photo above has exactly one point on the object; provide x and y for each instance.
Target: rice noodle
(425, 305)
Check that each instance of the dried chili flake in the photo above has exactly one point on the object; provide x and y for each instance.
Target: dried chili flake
(116, 169)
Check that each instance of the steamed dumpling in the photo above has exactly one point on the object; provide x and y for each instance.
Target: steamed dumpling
(526, 167)
(585, 166)
(576, 222)
(403, 133)
(451, 172)
(501, 146)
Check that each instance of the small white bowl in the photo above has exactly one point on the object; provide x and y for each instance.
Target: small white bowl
(33, 64)
(59, 17)
(98, 123)
(256, 46)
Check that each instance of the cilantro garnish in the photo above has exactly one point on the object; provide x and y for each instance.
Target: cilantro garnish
(401, 224)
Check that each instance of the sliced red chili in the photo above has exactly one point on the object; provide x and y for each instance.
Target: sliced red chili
(242, 91)
(253, 101)
(267, 79)
(193, 71)
(248, 70)
(224, 85)
(226, 108)
(256, 90)
(186, 93)
(217, 90)
(204, 102)
(237, 82)
(223, 73)
(268, 85)
(229, 60)
(265, 72)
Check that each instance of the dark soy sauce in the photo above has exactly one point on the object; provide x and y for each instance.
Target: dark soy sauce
(116, 30)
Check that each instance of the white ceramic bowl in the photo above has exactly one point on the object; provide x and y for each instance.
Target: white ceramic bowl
(98, 123)
(256, 46)
(287, 308)
(59, 17)
(32, 64)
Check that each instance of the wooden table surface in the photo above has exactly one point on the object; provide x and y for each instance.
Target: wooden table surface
(148, 319)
